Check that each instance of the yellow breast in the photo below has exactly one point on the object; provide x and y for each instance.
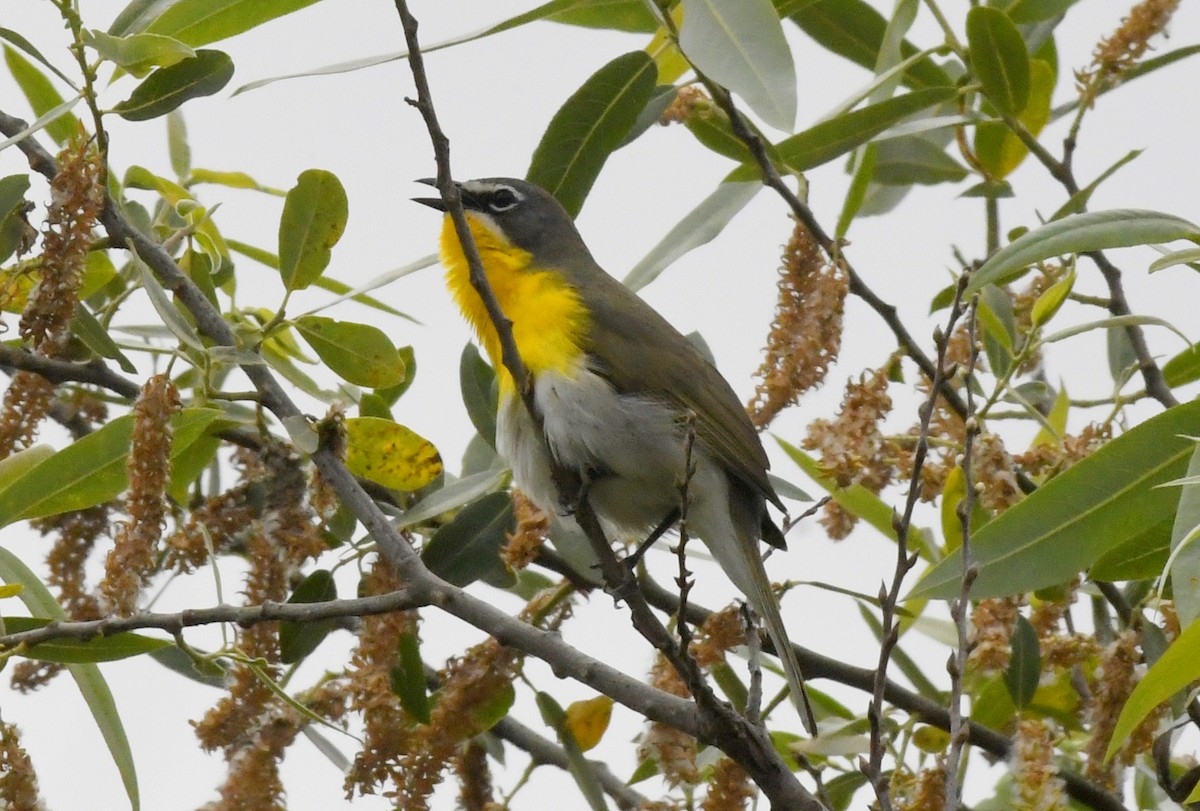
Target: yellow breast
(548, 317)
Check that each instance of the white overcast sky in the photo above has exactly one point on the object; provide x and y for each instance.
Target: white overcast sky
(494, 98)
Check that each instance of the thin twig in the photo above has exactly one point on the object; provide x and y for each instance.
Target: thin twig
(959, 727)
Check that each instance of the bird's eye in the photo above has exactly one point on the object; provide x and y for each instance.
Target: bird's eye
(502, 199)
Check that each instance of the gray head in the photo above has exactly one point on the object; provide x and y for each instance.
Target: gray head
(527, 215)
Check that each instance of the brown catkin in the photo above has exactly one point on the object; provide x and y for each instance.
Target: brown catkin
(76, 200)
(18, 782)
(806, 333)
(1120, 52)
(387, 729)
(135, 550)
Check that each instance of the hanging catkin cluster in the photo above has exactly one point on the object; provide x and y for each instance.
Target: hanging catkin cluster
(806, 333)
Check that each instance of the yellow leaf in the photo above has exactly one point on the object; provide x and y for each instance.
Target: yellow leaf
(996, 147)
(10, 590)
(390, 454)
(588, 720)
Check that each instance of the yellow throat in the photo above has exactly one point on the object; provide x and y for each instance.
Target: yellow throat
(549, 319)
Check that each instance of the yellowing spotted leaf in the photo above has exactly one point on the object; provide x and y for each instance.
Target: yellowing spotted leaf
(387, 453)
(588, 720)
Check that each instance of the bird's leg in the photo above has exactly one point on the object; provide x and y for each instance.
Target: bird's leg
(584, 477)
(631, 560)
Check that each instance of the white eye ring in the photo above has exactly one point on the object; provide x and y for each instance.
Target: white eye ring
(503, 198)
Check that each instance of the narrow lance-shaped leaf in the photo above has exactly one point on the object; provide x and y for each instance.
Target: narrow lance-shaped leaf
(1176, 669)
(91, 683)
(167, 88)
(700, 226)
(314, 217)
(91, 470)
(199, 22)
(72, 651)
(854, 30)
(1185, 548)
(589, 126)
(740, 44)
(1091, 231)
(999, 58)
(1074, 519)
(41, 95)
(837, 136)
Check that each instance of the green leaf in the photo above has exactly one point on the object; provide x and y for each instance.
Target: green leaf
(856, 499)
(1079, 200)
(468, 547)
(16, 465)
(77, 651)
(172, 318)
(589, 126)
(199, 22)
(997, 148)
(1049, 302)
(41, 95)
(913, 160)
(88, 679)
(1174, 671)
(855, 30)
(1185, 551)
(167, 88)
(1080, 233)
(712, 129)
(408, 679)
(1023, 12)
(91, 470)
(856, 195)
(1070, 522)
(14, 230)
(740, 44)
(999, 58)
(358, 353)
(452, 496)
(86, 328)
(314, 218)
(617, 15)
(837, 136)
(298, 639)
(1184, 367)
(1188, 256)
(1025, 666)
(1140, 558)
(700, 226)
(177, 144)
(477, 381)
(138, 53)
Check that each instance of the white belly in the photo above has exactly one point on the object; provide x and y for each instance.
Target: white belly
(631, 448)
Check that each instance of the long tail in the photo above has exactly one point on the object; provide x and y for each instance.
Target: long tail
(744, 566)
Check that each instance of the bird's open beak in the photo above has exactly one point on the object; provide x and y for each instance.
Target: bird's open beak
(432, 202)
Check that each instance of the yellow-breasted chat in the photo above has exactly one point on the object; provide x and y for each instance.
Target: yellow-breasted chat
(618, 387)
